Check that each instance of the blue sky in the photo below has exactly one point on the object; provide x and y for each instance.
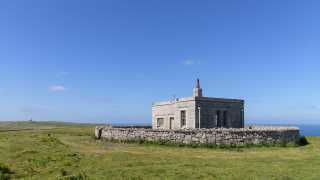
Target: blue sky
(107, 61)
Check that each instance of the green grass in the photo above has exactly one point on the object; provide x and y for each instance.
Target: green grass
(68, 151)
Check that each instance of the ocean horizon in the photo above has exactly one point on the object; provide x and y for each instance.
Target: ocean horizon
(309, 130)
(305, 129)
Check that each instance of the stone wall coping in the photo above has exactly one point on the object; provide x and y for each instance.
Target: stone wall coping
(177, 100)
(184, 99)
(219, 99)
(246, 129)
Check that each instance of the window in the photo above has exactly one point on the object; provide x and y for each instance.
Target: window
(183, 118)
(171, 122)
(159, 122)
(242, 118)
(215, 120)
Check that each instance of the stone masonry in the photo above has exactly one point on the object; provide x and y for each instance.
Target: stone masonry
(198, 112)
(215, 136)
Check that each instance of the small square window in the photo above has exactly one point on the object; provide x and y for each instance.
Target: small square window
(160, 122)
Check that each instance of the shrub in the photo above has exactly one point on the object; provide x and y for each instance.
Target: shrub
(303, 141)
(64, 176)
(80, 176)
(5, 172)
(63, 172)
(4, 169)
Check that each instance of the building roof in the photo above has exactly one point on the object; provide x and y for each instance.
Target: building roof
(210, 99)
(197, 98)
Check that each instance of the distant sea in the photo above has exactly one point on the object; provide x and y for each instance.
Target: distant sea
(309, 130)
(305, 129)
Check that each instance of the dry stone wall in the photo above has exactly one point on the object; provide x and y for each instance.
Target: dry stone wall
(216, 136)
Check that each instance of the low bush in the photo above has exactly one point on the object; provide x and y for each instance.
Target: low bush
(5, 172)
(79, 176)
(303, 141)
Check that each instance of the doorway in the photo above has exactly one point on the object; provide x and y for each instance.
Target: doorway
(218, 117)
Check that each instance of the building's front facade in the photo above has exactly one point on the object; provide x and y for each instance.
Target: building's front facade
(189, 112)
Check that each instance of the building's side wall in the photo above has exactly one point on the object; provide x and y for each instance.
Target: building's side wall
(173, 110)
(209, 109)
(231, 114)
(165, 112)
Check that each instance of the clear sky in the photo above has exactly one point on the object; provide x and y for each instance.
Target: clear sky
(98, 61)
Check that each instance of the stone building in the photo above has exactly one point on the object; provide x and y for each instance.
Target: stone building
(190, 112)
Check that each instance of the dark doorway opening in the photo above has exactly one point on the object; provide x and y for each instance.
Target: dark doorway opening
(218, 118)
(225, 119)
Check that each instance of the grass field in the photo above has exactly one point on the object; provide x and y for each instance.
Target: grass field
(30, 150)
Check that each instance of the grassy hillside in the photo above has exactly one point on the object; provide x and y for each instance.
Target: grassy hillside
(68, 151)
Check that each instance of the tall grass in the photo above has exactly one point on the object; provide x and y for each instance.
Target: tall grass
(70, 152)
